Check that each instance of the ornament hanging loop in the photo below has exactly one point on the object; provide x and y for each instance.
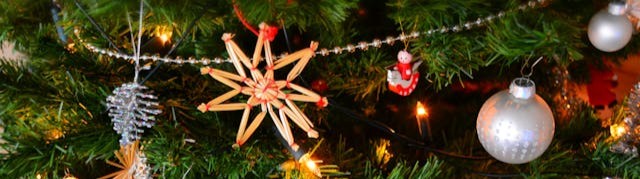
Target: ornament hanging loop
(526, 63)
(617, 7)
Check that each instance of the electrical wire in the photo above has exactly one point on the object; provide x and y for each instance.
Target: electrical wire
(417, 144)
(378, 125)
(411, 142)
(105, 36)
(97, 26)
(174, 46)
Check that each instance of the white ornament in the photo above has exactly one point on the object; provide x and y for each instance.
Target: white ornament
(610, 29)
(131, 109)
(515, 126)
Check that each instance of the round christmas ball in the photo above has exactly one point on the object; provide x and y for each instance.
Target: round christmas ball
(515, 126)
(610, 29)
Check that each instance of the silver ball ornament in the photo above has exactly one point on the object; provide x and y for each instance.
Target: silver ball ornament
(515, 126)
(610, 29)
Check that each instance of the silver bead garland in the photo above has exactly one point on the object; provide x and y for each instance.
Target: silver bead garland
(376, 43)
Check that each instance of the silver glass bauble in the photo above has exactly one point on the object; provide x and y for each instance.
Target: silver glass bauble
(515, 126)
(610, 29)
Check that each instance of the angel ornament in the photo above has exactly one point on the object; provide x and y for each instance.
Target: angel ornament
(403, 76)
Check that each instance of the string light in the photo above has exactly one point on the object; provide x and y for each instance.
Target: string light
(310, 165)
(163, 33)
(421, 110)
(350, 48)
(617, 130)
(422, 118)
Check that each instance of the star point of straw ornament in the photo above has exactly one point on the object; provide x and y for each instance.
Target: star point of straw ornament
(633, 8)
(263, 89)
(133, 163)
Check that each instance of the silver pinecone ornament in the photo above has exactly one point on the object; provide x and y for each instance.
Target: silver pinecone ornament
(630, 136)
(131, 108)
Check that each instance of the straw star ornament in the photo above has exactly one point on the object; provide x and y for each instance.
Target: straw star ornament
(133, 163)
(263, 89)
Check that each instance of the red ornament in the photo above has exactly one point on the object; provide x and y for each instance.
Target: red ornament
(270, 31)
(319, 85)
(600, 89)
(404, 64)
(323, 102)
(405, 87)
(403, 76)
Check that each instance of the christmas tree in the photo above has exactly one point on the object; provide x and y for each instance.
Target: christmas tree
(310, 89)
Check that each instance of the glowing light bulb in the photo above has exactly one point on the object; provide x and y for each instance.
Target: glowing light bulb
(422, 117)
(617, 130)
(421, 110)
(310, 165)
(164, 38)
(164, 34)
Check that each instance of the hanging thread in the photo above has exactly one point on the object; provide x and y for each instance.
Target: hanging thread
(243, 20)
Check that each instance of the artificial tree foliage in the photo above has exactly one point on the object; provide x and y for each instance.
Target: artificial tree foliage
(53, 108)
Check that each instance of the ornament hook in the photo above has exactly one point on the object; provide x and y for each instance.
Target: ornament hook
(526, 63)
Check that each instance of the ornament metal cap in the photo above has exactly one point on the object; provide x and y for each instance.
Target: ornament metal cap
(522, 88)
(617, 8)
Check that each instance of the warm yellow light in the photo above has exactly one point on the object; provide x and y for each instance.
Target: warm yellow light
(164, 34)
(38, 176)
(421, 110)
(617, 130)
(164, 38)
(310, 165)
